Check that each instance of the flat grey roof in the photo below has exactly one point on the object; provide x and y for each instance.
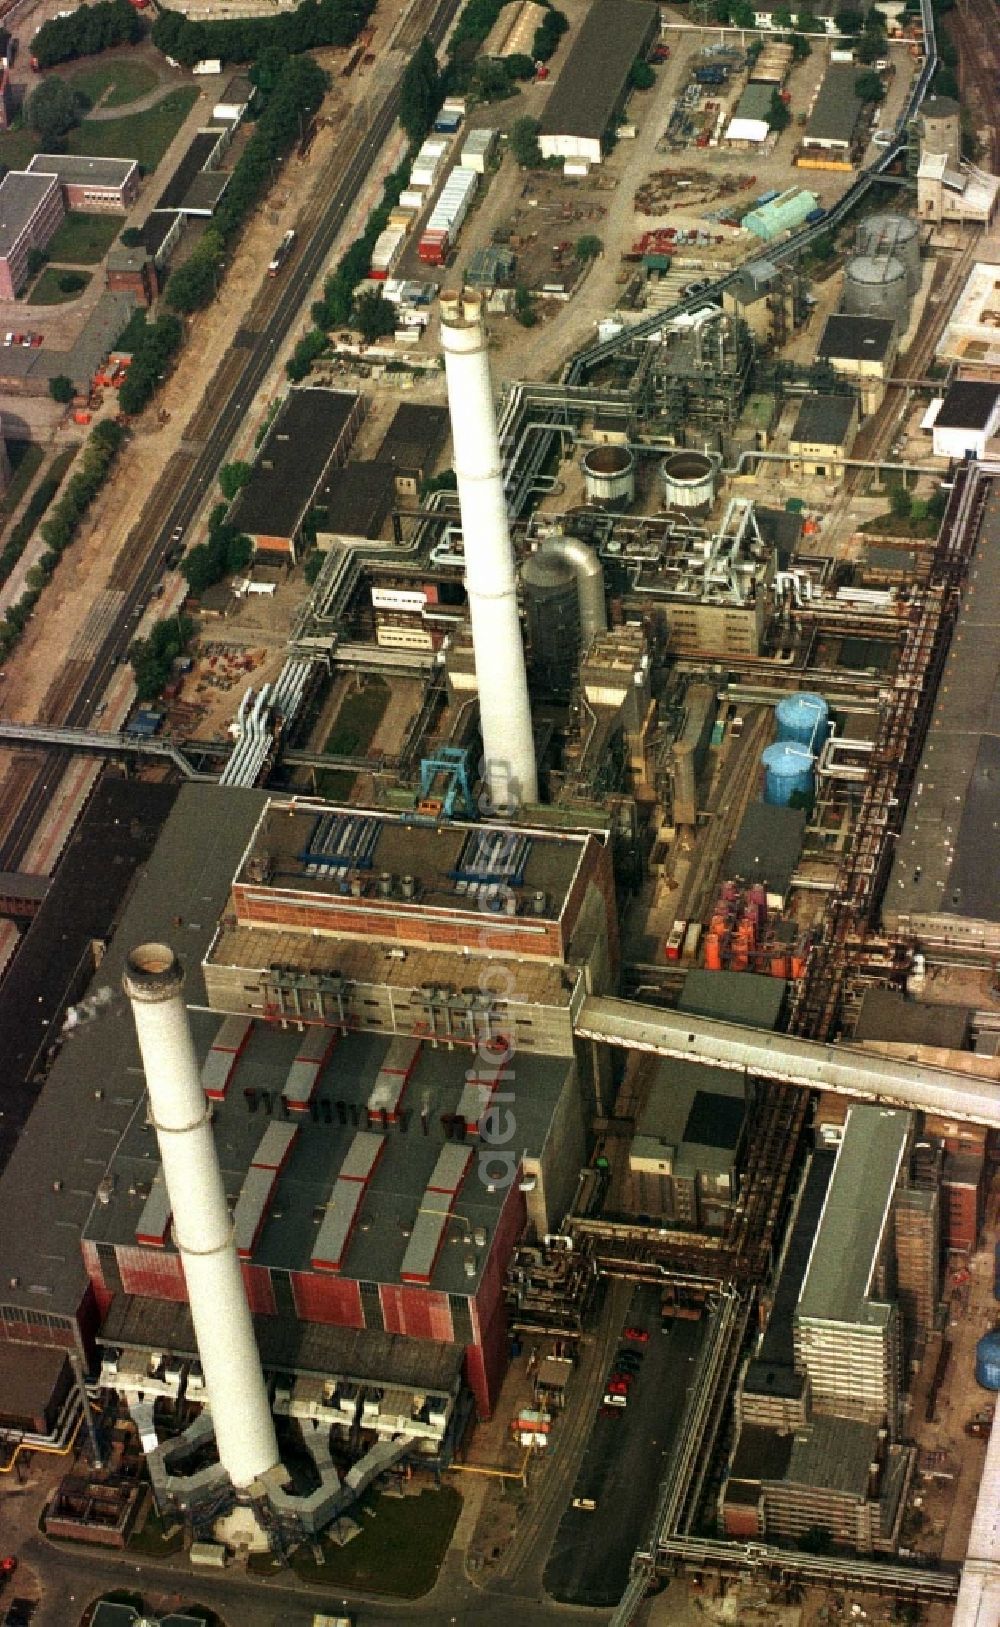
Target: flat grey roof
(945, 857)
(292, 461)
(187, 874)
(837, 108)
(357, 498)
(968, 404)
(734, 997)
(694, 1113)
(767, 846)
(835, 1454)
(886, 1014)
(825, 420)
(839, 1275)
(856, 338)
(20, 196)
(593, 77)
(76, 169)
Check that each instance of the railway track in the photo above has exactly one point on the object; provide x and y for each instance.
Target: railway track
(177, 496)
(973, 28)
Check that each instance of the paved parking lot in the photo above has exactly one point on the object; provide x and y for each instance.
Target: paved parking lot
(623, 1465)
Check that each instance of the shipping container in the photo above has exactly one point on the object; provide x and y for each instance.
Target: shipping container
(433, 248)
(478, 149)
(412, 198)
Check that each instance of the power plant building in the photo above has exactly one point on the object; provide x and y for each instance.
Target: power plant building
(393, 1084)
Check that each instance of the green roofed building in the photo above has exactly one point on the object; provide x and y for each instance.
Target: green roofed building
(782, 214)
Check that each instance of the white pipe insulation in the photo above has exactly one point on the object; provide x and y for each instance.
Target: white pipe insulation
(504, 706)
(202, 1228)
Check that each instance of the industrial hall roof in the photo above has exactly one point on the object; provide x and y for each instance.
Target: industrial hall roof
(945, 855)
(333, 1197)
(838, 1280)
(593, 77)
(837, 107)
(294, 458)
(968, 404)
(856, 338)
(63, 1151)
(825, 420)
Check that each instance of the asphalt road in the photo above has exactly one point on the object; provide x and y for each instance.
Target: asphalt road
(623, 1465)
(260, 350)
(73, 1577)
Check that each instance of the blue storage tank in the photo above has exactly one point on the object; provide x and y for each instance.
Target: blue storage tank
(988, 1360)
(803, 718)
(788, 768)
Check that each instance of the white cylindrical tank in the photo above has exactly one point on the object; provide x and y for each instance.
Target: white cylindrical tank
(875, 285)
(504, 708)
(609, 476)
(897, 236)
(202, 1228)
(688, 480)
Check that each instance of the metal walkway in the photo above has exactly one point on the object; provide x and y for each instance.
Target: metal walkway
(792, 1061)
(93, 740)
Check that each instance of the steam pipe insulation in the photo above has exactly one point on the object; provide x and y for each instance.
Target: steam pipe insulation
(203, 1231)
(589, 583)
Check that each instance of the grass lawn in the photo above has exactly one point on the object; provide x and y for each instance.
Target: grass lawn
(153, 1539)
(114, 84)
(360, 714)
(145, 136)
(896, 525)
(399, 1551)
(83, 240)
(47, 291)
(25, 461)
(18, 147)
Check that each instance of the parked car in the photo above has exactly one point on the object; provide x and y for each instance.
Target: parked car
(615, 1400)
(639, 1336)
(589, 1503)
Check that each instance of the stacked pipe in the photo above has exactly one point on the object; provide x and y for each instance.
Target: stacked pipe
(504, 707)
(202, 1228)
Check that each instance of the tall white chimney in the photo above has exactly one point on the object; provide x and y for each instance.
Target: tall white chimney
(203, 1231)
(504, 708)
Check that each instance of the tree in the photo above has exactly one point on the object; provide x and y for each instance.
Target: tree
(868, 49)
(420, 93)
(193, 284)
(782, 17)
(588, 247)
(131, 238)
(849, 22)
(548, 34)
(875, 22)
(778, 116)
(946, 83)
(524, 307)
(374, 317)
(900, 502)
(641, 75)
(61, 389)
(72, 282)
(742, 14)
(524, 142)
(809, 23)
(800, 47)
(868, 87)
(53, 109)
(492, 81)
(266, 71)
(232, 476)
(823, 248)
